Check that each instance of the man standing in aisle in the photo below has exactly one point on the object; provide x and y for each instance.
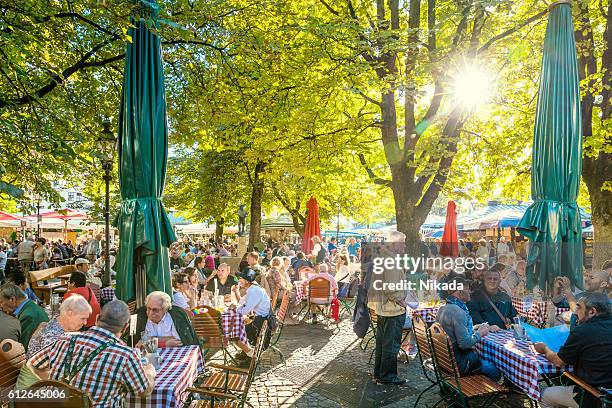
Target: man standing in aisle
(390, 308)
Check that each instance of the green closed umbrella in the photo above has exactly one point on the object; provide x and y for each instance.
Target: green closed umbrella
(552, 222)
(145, 231)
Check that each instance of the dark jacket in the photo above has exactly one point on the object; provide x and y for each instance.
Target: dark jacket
(482, 311)
(30, 316)
(182, 323)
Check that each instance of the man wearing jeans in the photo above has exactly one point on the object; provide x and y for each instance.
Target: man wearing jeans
(390, 308)
(588, 348)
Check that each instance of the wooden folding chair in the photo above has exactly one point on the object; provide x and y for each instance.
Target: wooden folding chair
(281, 313)
(319, 296)
(585, 389)
(96, 290)
(73, 397)
(12, 358)
(209, 328)
(421, 334)
(228, 386)
(371, 331)
(454, 387)
(132, 306)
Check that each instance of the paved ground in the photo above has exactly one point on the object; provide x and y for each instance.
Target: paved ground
(327, 368)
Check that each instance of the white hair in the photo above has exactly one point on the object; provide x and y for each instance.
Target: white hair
(323, 268)
(163, 297)
(75, 303)
(397, 236)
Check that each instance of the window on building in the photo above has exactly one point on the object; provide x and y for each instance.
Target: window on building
(70, 196)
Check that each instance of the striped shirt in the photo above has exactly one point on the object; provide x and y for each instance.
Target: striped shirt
(115, 371)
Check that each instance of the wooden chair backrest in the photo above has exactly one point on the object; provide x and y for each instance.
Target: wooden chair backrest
(420, 333)
(259, 348)
(444, 359)
(275, 297)
(50, 273)
(319, 288)
(12, 358)
(132, 306)
(207, 325)
(74, 398)
(282, 310)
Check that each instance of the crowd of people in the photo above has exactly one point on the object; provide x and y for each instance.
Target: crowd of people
(479, 303)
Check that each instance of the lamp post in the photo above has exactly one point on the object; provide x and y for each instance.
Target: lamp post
(38, 219)
(105, 152)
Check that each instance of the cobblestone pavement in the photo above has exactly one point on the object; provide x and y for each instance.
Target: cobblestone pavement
(327, 368)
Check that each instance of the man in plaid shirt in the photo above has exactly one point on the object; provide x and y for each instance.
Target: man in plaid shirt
(97, 361)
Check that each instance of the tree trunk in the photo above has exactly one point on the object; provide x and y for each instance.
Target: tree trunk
(219, 223)
(256, 196)
(597, 166)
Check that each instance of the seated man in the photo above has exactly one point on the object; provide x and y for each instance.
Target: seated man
(594, 281)
(222, 281)
(490, 304)
(82, 265)
(108, 367)
(19, 279)
(588, 348)
(458, 325)
(13, 301)
(333, 285)
(171, 325)
(255, 301)
(77, 284)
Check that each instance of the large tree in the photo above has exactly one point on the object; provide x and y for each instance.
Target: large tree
(405, 51)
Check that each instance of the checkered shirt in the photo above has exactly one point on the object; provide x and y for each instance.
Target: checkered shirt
(107, 294)
(115, 370)
(179, 368)
(517, 361)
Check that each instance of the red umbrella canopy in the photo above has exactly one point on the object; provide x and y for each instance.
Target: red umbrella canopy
(450, 242)
(4, 216)
(64, 214)
(313, 225)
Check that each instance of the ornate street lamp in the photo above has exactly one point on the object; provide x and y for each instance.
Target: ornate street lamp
(105, 152)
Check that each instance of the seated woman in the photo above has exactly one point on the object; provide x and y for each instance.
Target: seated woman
(255, 301)
(171, 325)
(181, 296)
(277, 278)
(457, 323)
(74, 313)
(77, 285)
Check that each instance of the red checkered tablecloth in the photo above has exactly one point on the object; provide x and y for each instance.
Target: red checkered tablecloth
(537, 312)
(107, 294)
(180, 367)
(516, 360)
(300, 293)
(427, 313)
(233, 325)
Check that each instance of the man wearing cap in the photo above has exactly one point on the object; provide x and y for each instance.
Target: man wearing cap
(82, 265)
(255, 301)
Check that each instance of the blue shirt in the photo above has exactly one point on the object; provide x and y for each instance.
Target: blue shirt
(31, 295)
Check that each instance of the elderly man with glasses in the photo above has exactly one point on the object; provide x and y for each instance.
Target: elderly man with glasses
(491, 304)
(171, 325)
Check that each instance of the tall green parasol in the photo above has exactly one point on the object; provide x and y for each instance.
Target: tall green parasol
(552, 222)
(145, 231)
